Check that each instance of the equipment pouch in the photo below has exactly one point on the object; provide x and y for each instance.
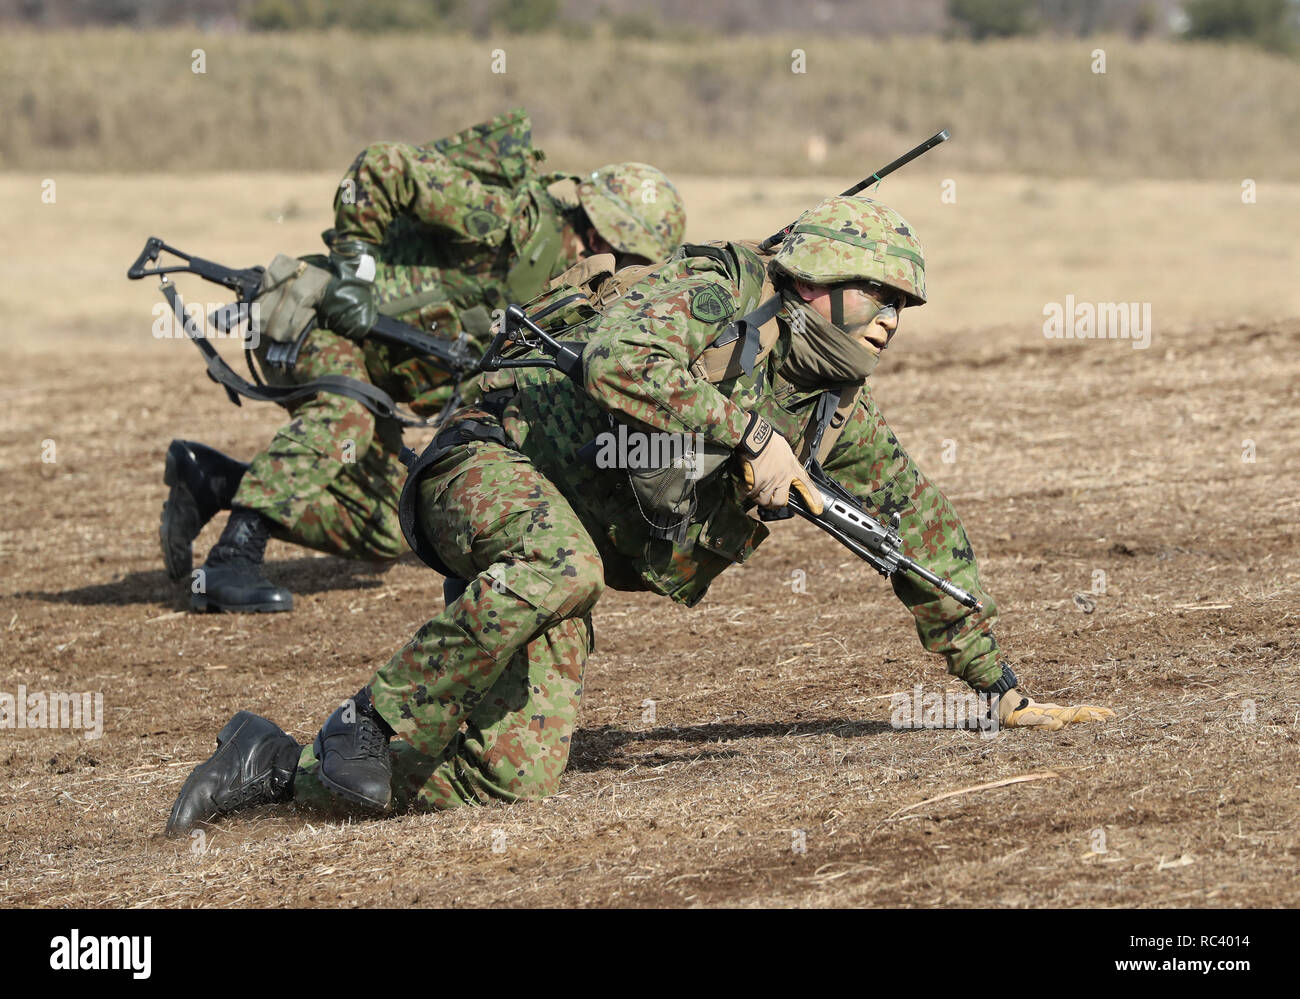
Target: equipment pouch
(476, 321)
(286, 300)
(531, 272)
(666, 493)
(723, 536)
(730, 532)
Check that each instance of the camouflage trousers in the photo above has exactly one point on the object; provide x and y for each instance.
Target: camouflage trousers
(484, 698)
(330, 478)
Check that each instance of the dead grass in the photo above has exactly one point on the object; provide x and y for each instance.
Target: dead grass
(130, 101)
(770, 709)
(1007, 246)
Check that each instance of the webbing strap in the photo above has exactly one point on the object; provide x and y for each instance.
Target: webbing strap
(375, 399)
(827, 403)
(748, 327)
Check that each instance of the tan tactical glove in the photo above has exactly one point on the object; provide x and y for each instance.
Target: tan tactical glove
(771, 468)
(1019, 710)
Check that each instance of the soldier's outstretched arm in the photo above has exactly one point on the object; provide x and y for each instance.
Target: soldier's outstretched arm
(870, 463)
(390, 179)
(637, 365)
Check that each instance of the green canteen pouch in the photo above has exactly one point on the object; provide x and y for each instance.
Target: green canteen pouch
(286, 300)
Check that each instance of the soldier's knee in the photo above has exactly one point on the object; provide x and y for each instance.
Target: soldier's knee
(355, 438)
(339, 429)
(525, 780)
(540, 787)
(583, 576)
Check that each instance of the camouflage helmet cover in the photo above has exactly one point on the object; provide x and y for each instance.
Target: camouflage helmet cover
(635, 208)
(855, 239)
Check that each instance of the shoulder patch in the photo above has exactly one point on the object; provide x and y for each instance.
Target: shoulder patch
(480, 222)
(710, 304)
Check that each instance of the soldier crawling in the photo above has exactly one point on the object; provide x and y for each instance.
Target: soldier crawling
(440, 233)
(481, 703)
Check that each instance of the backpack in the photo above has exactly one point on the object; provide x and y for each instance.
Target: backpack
(569, 309)
(499, 151)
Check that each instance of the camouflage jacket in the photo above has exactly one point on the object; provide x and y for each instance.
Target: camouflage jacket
(451, 248)
(637, 363)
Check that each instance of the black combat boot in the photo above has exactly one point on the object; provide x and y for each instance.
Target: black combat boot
(352, 748)
(202, 481)
(254, 765)
(231, 579)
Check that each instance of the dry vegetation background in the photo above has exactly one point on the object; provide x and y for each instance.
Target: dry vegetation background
(128, 101)
(772, 707)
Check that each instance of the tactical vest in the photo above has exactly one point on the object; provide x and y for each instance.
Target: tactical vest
(578, 298)
(586, 290)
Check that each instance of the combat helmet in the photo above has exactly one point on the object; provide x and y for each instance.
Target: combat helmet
(854, 239)
(635, 208)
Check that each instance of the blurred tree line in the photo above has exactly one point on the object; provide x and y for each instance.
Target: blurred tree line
(1274, 24)
(513, 16)
(371, 16)
(1271, 24)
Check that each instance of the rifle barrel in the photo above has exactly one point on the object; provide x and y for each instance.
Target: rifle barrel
(939, 583)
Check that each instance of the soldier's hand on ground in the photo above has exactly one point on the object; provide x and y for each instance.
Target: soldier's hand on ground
(770, 468)
(1019, 710)
(348, 306)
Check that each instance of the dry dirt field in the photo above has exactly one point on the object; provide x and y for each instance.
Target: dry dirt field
(770, 724)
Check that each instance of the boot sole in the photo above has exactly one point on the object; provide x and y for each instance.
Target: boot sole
(346, 793)
(200, 603)
(352, 796)
(179, 524)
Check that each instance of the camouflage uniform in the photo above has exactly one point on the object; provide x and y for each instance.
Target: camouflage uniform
(448, 248)
(539, 534)
(504, 660)
(330, 477)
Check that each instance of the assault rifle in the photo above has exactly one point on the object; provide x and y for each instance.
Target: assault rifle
(451, 356)
(842, 516)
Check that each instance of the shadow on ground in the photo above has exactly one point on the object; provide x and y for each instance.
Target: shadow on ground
(601, 748)
(301, 575)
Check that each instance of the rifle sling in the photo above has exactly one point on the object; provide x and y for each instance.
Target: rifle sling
(827, 403)
(375, 399)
